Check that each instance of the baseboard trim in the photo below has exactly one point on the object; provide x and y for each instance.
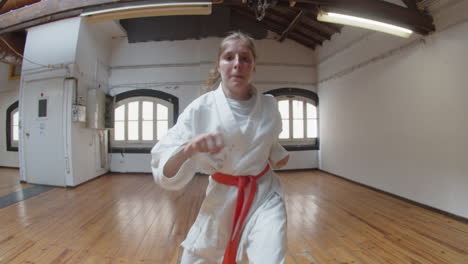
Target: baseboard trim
(9, 167)
(293, 170)
(425, 206)
(128, 172)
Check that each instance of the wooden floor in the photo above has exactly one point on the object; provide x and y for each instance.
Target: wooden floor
(9, 181)
(125, 218)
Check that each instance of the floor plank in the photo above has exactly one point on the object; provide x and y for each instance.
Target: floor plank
(9, 181)
(126, 218)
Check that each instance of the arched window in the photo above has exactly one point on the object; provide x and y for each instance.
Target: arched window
(299, 114)
(12, 127)
(141, 118)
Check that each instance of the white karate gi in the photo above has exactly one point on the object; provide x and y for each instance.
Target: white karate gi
(247, 150)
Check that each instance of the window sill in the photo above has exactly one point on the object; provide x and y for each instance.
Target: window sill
(11, 148)
(148, 149)
(300, 147)
(131, 150)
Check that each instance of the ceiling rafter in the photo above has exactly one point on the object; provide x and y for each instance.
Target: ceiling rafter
(7, 5)
(292, 19)
(411, 4)
(277, 27)
(284, 22)
(2, 3)
(296, 20)
(312, 31)
(370, 8)
(309, 18)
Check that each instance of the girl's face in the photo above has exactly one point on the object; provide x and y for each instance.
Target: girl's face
(236, 66)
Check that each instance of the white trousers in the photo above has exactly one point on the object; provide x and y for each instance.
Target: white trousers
(266, 241)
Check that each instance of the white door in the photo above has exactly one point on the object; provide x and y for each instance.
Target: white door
(43, 118)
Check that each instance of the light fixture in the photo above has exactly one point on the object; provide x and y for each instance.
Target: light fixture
(133, 11)
(363, 23)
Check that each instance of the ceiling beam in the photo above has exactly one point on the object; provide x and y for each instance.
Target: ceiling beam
(52, 10)
(276, 27)
(2, 3)
(284, 21)
(313, 32)
(296, 20)
(411, 4)
(40, 21)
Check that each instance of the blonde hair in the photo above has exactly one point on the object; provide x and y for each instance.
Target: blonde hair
(213, 75)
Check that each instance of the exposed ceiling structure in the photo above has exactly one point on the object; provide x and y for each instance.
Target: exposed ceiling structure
(290, 19)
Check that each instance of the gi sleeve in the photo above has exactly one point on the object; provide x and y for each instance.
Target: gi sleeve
(168, 146)
(277, 151)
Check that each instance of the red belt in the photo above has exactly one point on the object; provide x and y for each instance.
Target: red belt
(241, 209)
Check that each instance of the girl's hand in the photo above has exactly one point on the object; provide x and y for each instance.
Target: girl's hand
(208, 142)
(280, 163)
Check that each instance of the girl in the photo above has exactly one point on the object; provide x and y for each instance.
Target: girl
(230, 133)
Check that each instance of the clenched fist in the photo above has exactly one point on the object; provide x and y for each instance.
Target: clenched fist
(208, 142)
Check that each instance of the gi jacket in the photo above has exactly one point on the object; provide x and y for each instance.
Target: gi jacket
(245, 153)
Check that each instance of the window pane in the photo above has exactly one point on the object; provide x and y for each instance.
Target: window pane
(15, 126)
(311, 128)
(285, 133)
(162, 113)
(147, 130)
(147, 111)
(119, 129)
(311, 111)
(132, 130)
(298, 110)
(133, 111)
(162, 128)
(15, 118)
(284, 108)
(15, 133)
(298, 128)
(120, 113)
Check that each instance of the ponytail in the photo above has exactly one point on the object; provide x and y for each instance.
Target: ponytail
(213, 78)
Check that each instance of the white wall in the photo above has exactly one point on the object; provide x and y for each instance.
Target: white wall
(181, 67)
(92, 58)
(81, 53)
(394, 114)
(52, 43)
(51, 48)
(8, 95)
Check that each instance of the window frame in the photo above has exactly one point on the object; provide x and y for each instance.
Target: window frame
(306, 96)
(141, 95)
(140, 143)
(12, 145)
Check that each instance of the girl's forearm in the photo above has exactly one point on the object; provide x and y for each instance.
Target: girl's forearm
(174, 163)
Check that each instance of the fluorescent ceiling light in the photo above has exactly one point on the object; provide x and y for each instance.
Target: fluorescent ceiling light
(364, 23)
(167, 9)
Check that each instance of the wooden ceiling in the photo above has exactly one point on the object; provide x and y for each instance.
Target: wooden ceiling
(290, 19)
(297, 19)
